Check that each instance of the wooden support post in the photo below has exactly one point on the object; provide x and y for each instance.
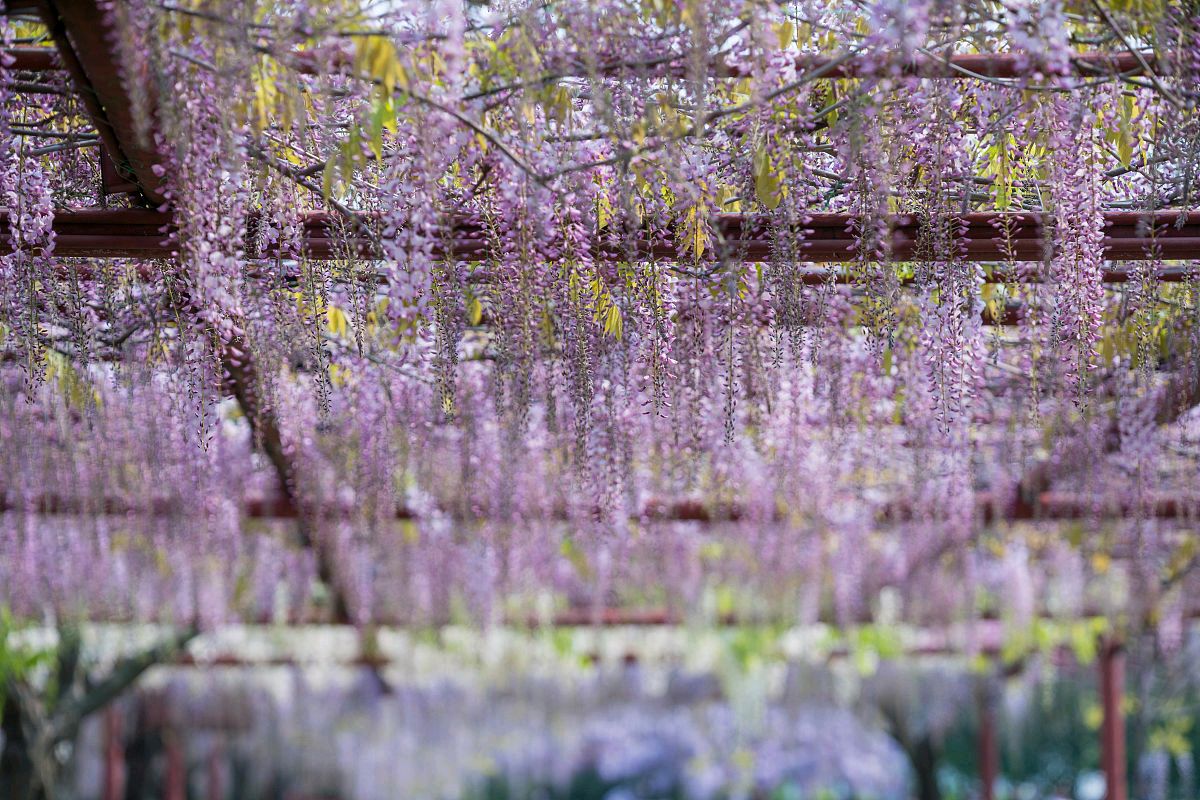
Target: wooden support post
(216, 786)
(989, 751)
(114, 757)
(1112, 730)
(176, 777)
(111, 180)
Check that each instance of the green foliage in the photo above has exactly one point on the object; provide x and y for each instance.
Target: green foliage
(1044, 636)
(867, 645)
(750, 645)
(18, 660)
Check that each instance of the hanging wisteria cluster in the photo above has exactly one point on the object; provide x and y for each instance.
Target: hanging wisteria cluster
(784, 310)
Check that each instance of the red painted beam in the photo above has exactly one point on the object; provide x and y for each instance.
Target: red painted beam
(1050, 506)
(84, 36)
(960, 66)
(34, 59)
(810, 277)
(968, 65)
(826, 238)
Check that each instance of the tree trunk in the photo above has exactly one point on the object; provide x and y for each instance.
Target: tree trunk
(16, 768)
(924, 760)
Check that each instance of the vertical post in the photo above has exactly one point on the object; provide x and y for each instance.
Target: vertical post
(114, 757)
(1112, 731)
(215, 784)
(176, 777)
(989, 752)
(110, 179)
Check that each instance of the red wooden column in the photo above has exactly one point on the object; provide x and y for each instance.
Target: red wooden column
(114, 757)
(176, 777)
(216, 784)
(111, 180)
(1112, 731)
(989, 751)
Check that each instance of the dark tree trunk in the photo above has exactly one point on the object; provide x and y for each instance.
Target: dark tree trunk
(141, 756)
(924, 760)
(16, 769)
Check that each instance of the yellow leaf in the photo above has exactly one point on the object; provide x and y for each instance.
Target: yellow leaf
(603, 212)
(697, 236)
(328, 175)
(338, 324)
(688, 15)
(1182, 558)
(260, 105)
(1125, 135)
(727, 200)
(786, 32)
(377, 58)
(613, 323)
(768, 184)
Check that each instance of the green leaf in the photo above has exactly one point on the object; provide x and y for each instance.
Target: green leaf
(1125, 135)
(328, 176)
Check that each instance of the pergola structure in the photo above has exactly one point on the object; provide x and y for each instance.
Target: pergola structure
(139, 219)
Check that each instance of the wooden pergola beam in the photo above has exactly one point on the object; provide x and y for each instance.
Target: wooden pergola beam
(821, 238)
(959, 66)
(84, 38)
(1049, 507)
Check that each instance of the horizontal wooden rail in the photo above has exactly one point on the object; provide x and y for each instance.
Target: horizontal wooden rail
(958, 66)
(34, 59)
(1048, 506)
(820, 238)
(961, 66)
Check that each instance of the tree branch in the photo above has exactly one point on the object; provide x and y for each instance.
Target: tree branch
(67, 716)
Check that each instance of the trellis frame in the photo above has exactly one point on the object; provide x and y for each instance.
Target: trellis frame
(84, 50)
